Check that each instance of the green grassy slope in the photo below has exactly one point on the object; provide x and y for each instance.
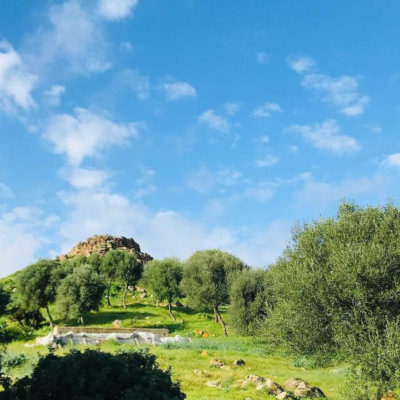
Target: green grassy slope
(185, 358)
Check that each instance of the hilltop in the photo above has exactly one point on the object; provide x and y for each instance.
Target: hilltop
(102, 244)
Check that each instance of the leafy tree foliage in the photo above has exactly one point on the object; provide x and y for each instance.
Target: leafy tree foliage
(128, 273)
(96, 375)
(163, 278)
(111, 263)
(80, 293)
(339, 275)
(5, 299)
(207, 278)
(249, 301)
(37, 286)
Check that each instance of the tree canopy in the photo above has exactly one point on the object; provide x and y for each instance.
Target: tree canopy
(37, 286)
(163, 278)
(207, 277)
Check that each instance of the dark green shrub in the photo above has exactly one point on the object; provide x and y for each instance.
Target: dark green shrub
(93, 375)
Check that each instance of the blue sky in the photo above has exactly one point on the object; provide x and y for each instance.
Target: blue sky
(192, 124)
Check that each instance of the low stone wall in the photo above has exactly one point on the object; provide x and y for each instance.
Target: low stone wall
(62, 330)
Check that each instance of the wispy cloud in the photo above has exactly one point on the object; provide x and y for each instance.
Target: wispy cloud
(266, 110)
(16, 83)
(301, 64)
(214, 121)
(341, 92)
(53, 95)
(116, 9)
(267, 161)
(232, 108)
(392, 160)
(177, 90)
(85, 134)
(85, 178)
(327, 136)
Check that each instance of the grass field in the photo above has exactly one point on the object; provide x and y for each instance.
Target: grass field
(184, 358)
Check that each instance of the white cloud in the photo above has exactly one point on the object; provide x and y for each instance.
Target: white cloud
(144, 184)
(267, 161)
(203, 180)
(327, 136)
(85, 134)
(16, 83)
(262, 192)
(54, 94)
(341, 92)
(232, 108)
(178, 90)
(73, 37)
(214, 121)
(84, 178)
(266, 110)
(126, 46)
(22, 236)
(302, 64)
(116, 9)
(263, 57)
(392, 160)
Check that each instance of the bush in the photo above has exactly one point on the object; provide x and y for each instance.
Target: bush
(95, 375)
(248, 301)
(339, 275)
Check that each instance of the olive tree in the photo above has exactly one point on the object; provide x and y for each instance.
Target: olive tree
(207, 278)
(249, 301)
(163, 278)
(36, 286)
(110, 264)
(129, 271)
(79, 293)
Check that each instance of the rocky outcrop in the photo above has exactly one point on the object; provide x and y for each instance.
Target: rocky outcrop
(101, 244)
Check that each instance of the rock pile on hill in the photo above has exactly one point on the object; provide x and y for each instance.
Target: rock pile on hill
(101, 244)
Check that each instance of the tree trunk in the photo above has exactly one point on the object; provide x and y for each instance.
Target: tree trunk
(108, 294)
(81, 320)
(216, 315)
(170, 312)
(49, 315)
(124, 296)
(221, 321)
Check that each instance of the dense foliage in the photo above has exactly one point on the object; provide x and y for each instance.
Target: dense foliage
(93, 375)
(37, 286)
(207, 278)
(79, 293)
(163, 278)
(249, 301)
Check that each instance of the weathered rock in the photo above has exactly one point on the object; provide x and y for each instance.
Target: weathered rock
(304, 390)
(202, 373)
(270, 387)
(293, 383)
(389, 396)
(215, 384)
(217, 363)
(252, 379)
(283, 396)
(117, 324)
(238, 363)
(102, 244)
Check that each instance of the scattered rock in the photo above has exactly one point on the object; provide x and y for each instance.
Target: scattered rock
(215, 384)
(270, 387)
(389, 396)
(117, 324)
(238, 363)
(202, 373)
(293, 383)
(177, 304)
(217, 363)
(304, 390)
(252, 379)
(283, 396)
(140, 289)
